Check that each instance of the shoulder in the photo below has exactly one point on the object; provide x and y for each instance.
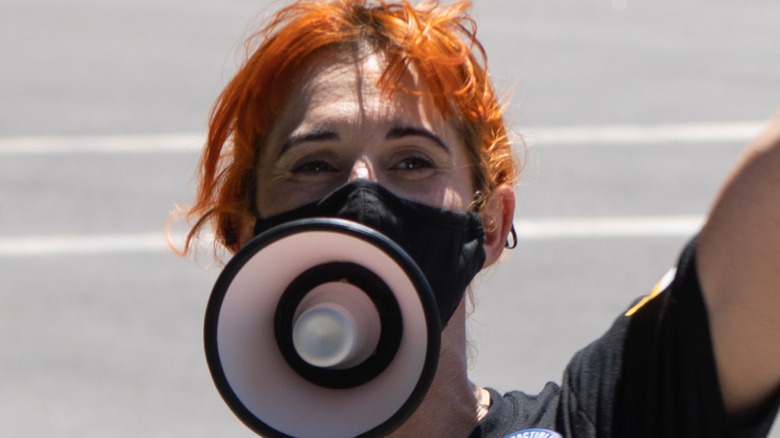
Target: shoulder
(517, 411)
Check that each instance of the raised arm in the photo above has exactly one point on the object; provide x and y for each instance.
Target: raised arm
(738, 258)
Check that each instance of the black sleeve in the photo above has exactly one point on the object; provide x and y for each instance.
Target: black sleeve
(653, 373)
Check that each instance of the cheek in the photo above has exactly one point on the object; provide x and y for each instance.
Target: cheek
(455, 200)
(269, 198)
(451, 191)
(461, 195)
(273, 202)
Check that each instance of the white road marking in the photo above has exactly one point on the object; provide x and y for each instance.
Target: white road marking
(108, 144)
(537, 229)
(635, 227)
(83, 244)
(726, 132)
(731, 132)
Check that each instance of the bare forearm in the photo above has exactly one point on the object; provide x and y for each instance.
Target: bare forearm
(739, 266)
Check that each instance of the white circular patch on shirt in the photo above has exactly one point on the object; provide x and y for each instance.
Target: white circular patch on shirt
(535, 433)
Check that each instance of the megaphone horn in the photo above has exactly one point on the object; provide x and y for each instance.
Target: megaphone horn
(322, 328)
(338, 325)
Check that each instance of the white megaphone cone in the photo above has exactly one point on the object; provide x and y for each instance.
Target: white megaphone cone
(322, 328)
(337, 326)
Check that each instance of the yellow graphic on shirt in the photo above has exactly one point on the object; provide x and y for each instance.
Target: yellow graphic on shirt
(659, 287)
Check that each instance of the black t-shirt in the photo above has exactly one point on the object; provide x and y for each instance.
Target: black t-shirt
(651, 375)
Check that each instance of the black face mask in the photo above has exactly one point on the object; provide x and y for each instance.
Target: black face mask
(446, 245)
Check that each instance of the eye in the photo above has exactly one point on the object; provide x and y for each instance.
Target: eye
(414, 163)
(314, 166)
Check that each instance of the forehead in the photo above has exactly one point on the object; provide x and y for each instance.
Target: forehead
(335, 84)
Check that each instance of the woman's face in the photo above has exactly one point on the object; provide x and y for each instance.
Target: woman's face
(337, 126)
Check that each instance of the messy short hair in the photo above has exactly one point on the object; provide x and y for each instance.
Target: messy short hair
(438, 42)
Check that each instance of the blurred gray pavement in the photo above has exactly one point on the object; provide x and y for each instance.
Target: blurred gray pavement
(100, 325)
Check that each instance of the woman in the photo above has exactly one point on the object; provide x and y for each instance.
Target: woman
(390, 101)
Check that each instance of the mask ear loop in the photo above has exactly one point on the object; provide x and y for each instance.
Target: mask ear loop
(477, 202)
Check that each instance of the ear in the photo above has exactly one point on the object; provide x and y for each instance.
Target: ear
(497, 215)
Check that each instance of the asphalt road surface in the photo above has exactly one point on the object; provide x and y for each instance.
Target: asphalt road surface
(632, 113)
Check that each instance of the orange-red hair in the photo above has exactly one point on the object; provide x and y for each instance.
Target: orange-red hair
(437, 41)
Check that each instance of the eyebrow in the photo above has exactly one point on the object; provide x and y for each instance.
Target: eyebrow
(407, 131)
(316, 135)
(394, 133)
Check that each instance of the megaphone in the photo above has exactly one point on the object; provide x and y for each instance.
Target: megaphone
(322, 328)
